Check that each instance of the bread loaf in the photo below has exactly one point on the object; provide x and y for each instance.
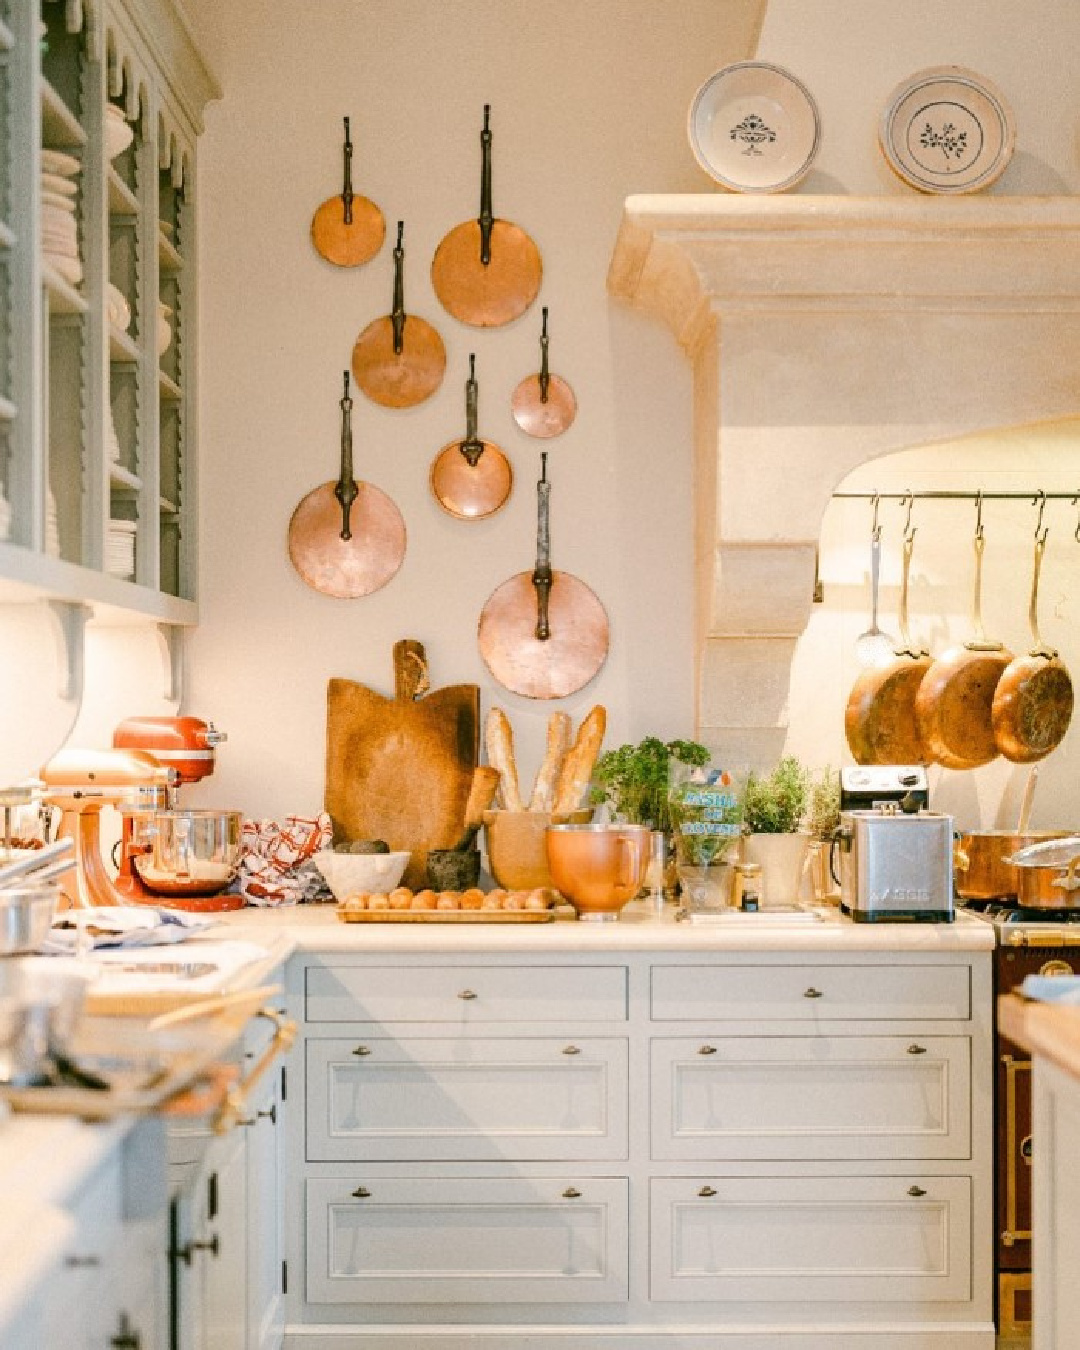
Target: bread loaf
(578, 765)
(558, 743)
(499, 743)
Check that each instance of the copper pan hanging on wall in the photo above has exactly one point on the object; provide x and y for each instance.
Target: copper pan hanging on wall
(348, 229)
(346, 538)
(543, 634)
(399, 359)
(486, 272)
(471, 478)
(543, 405)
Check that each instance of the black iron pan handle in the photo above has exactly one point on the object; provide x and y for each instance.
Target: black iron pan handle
(346, 490)
(542, 576)
(487, 219)
(471, 447)
(545, 376)
(346, 191)
(397, 314)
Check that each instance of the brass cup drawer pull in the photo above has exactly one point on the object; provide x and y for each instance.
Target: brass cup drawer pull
(916, 1191)
(812, 993)
(571, 1194)
(362, 1050)
(467, 995)
(571, 1050)
(707, 1050)
(76, 1262)
(361, 1193)
(916, 1049)
(706, 1192)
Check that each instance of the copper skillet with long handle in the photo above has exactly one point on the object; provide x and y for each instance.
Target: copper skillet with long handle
(486, 272)
(879, 719)
(1033, 701)
(348, 229)
(399, 359)
(956, 694)
(347, 538)
(543, 634)
(543, 405)
(471, 478)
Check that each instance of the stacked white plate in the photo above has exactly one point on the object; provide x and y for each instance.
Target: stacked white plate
(118, 131)
(120, 548)
(59, 233)
(164, 327)
(52, 528)
(112, 444)
(119, 310)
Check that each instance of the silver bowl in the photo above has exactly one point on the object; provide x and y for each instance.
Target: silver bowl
(26, 913)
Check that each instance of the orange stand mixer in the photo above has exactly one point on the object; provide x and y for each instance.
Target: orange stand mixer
(171, 857)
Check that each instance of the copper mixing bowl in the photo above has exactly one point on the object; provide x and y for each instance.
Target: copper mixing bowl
(598, 868)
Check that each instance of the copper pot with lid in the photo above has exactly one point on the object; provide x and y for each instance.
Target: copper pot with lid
(983, 867)
(1047, 874)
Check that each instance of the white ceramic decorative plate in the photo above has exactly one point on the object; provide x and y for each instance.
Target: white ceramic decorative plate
(947, 130)
(55, 161)
(754, 127)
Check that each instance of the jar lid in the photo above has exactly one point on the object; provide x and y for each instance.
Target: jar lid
(748, 869)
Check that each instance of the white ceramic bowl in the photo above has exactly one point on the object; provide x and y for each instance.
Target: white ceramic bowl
(354, 873)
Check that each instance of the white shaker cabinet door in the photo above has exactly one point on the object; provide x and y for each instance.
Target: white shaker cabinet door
(812, 1239)
(372, 1098)
(1056, 1208)
(773, 1097)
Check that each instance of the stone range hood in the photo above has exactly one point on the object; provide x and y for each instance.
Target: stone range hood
(823, 332)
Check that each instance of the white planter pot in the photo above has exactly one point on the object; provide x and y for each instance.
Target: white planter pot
(783, 863)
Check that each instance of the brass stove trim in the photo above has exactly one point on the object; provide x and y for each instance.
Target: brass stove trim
(1012, 1233)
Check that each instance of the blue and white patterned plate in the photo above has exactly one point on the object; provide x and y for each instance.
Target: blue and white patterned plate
(754, 127)
(947, 130)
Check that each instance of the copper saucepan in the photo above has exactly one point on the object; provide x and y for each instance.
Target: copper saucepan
(879, 719)
(955, 696)
(982, 869)
(349, 229)
(543, 405)
(486, 272)
(1047, 874)
(399, 360)
(1033, 701)
(347, 538)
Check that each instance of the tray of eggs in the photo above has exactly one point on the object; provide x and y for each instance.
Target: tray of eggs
(472, 906)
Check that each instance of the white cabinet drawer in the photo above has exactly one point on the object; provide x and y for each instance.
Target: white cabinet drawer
(813, 1097)
(812, 1239)
(465, 994)
(748, 993)
(370, 1098)
(466, 1240)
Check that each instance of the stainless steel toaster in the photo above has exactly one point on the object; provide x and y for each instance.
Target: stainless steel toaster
(896, 866)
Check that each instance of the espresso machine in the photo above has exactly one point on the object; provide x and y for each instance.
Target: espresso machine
(167, 855)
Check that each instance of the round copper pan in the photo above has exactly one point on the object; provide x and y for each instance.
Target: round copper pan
(553, 667)
(486, 272)
(399, 360)
(347, 568)
(348, 229)
(467, 490)
(543, 404)
(1033, 701)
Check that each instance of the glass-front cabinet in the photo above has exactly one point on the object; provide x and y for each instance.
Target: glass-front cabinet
(100, 109)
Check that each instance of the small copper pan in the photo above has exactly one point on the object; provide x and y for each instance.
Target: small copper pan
(347, 538)
(486, 272)
(348, 229)
(1033, 701)
(543, 405)
(471, 478)
(399, 360)
(543, 634)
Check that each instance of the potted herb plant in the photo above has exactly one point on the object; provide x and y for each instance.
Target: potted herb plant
(822, 821)
(774, 812)
(633, 781)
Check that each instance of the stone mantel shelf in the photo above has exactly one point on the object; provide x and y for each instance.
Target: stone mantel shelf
(819, 330)
(682, 257)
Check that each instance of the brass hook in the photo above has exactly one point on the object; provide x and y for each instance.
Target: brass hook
(909, 533)
(979, 532)
(1076, 532)
(875, 528)
(1040, 502)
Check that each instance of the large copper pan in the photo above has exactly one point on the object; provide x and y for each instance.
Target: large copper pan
(486, 272)
(347, 538)
(399, 360)
(879, 719)
(471, 478)
(348, 229)
(954, 699)
(1033, 701)
(543, 634)
(543, 405)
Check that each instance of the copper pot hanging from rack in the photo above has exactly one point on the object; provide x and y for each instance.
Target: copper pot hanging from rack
(471, 478)
(486, 272)
(543, 405)
(543, 634)
(348, 229)
(346, 538)
(399, 359)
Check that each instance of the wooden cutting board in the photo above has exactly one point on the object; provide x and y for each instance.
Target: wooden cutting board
(399, 768)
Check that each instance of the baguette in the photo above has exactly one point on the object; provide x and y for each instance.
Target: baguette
(578, 766)
(499, 743)
(558, 742)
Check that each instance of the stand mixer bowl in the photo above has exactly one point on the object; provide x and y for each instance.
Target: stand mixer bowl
(190, 853)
